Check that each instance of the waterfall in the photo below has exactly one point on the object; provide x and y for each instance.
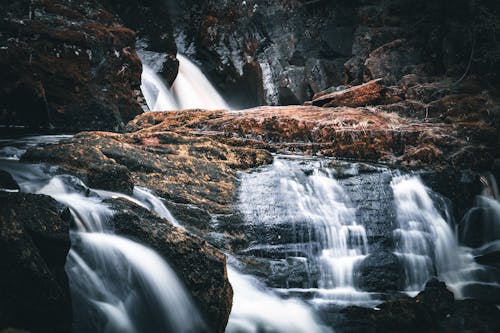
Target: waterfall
(425, 241)
(305, 198)
(117, 285)
(158, 96)
(190, 90)
(481, 225)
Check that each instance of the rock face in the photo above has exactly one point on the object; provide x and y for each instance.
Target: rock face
(432, 310)
(201, 267)
(66, 64)
(34, 242)
(150, 19)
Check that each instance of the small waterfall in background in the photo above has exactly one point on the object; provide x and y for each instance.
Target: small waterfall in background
(190, 90)
(117, 285)
(481, 225)
(315, 224)
(425, 241)
(480, 231)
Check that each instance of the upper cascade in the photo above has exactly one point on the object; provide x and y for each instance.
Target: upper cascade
(190, 90)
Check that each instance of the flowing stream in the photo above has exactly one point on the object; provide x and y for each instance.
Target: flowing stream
(117, 285)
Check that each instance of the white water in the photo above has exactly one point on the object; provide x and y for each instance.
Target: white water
(190, 90)
(425, 241)
(145, 198)
(158, 96)
(318, 207)
(130, 285)
(193, 90)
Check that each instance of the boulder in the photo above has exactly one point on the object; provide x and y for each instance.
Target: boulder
(200, 266)
(34, 243)
(392, 61)
(7, 182)
(369, 93)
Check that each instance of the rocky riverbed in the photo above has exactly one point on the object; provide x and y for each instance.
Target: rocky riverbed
(358, 92)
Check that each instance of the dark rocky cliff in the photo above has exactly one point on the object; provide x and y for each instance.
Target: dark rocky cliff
(74, 66)
(276, 52)
(66, 64)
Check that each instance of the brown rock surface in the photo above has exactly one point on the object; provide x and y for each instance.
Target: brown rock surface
(185, 169)
(364, 133)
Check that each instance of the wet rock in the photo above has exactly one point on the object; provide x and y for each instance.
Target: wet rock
(87, 162)
(381, 272)
(7, 182)
(392, 61)
(333, 43)
(150, 19)
(292, 272)
(294, 49)
(200, 266)
(436, 297)
(115, 178)
(433, 309)
(69, 65)
(34, 242)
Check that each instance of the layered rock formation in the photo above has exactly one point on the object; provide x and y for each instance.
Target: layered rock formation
(367, 133)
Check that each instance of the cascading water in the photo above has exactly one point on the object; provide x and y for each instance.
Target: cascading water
(190, 90)
(193, 90)
(481, 225)
(480, 230)
(304, 197)
(158, 96)
(117, 285)
(425, 241)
